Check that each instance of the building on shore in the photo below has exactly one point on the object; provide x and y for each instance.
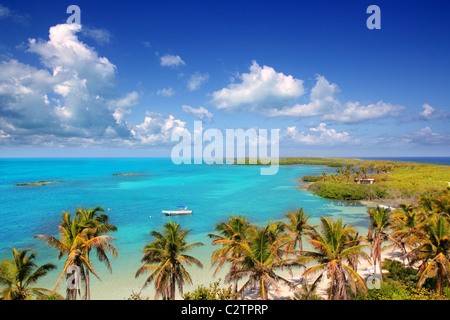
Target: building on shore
(364, 180)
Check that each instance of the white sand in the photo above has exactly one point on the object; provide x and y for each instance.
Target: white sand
(365, 269)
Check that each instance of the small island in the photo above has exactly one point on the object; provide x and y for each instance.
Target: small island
(37, 184)
(127, 174)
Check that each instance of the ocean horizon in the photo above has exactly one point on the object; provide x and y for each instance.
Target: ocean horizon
(135, 202)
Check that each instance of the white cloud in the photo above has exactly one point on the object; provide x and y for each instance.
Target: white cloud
(23, 90)
(72, 100)
(316, 136)
(426, 136)
(6, 13)
(322, 101)
(101, 36)
(430, 113)
(66, 54)
(169, 60)
(197, 80)
(4, 135)
(129, 100)
(427, 111)
(166, 92)
(157, 129)
(269, 93)
(261, 88)
(353, 112)
(423, 137)
(122, 106)
(83, 80)
(201, 112)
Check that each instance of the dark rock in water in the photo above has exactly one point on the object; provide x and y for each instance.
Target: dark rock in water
(127, 174)
(37, 184)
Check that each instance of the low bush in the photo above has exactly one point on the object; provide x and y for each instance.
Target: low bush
(213, 292)
(311, 178)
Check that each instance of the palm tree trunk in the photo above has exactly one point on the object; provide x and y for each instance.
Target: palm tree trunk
(234, 268)
(86, 281)
(172, 288)
(88, 288)
(403, 253)
(74, 294)
(263, 289)
(439, 279)
(379, 260)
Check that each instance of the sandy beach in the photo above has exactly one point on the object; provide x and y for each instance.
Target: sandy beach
(365, 269)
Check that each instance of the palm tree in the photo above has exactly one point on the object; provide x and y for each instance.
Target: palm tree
(364, 171)
(165, 257)
(95, 225)
(441, 203)
(434, 253)
(297, 227)
(427, 204)
(92, 219)
(20, 273)
(347, 172)
(354, 239)
(380, 222)
(75, 242)
(331, 247)
(230, 236)
(407, 228)
(261, 259)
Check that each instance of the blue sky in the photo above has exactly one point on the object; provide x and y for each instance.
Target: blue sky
(134, 72)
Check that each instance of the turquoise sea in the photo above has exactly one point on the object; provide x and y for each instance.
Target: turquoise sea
(134, 204)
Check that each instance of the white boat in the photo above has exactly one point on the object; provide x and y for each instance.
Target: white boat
(182, 210)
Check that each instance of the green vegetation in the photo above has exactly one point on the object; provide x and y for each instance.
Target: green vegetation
(262, 257)
(401, 291)
(332, 247)
(392, 180)
(213, 292)
(18, 275)
(311, 178)
(165, 257)
(329, 162)
(79, 235)
(422, 233)
(230, 235)
(137, 296)
(401, 284)
(380, 222)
